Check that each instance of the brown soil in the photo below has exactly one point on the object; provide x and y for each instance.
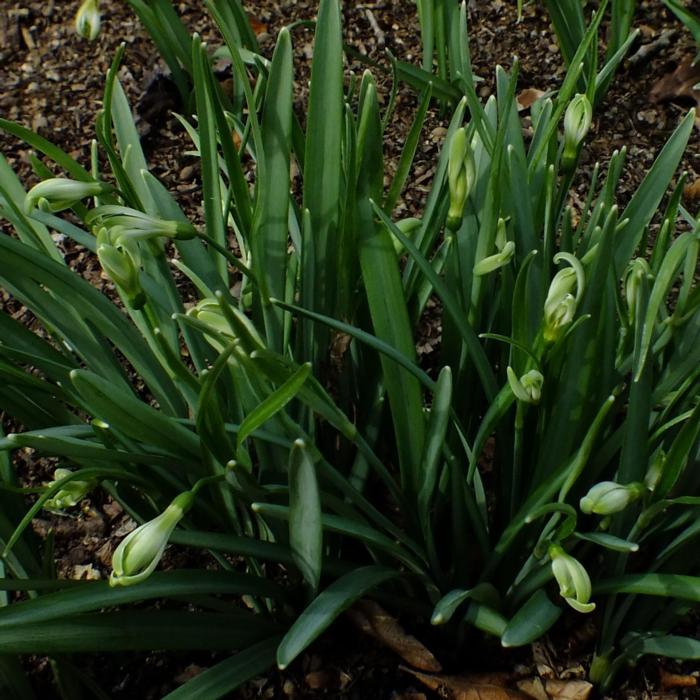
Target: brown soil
(52, 81)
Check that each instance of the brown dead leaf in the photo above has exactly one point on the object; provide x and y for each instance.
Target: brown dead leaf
(676, 680)
(528, 97)
(534, 687)
(691, 192)
(371, 618)
(190, 672)
(568, 690)
(462, 688)
(257, 26)
(318, 680)
(681, 83)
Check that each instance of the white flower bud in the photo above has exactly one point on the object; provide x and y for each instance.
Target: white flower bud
(461, 174)
(493, 262)
(134, 224)
(70, 494)
(573, 579)
(138, 554)
(609, 497)
(87, 21)
(59, 193)
(528, 388)
(577, 122)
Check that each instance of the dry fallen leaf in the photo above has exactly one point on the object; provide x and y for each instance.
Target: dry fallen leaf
(691, 192)
(676, 680)
(318, 680)
(527, 97)
(534, 687)
(371, 618)
(568, 690)
(463, 688)
(257, 26)
(682, 83)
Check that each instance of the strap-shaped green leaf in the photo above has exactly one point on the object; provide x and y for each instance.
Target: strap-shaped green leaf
(533, 620)
(305, 526)
(221, 679)
(330, 603)
(137, 631)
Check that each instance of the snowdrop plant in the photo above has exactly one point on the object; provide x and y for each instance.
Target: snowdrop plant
(282, 383)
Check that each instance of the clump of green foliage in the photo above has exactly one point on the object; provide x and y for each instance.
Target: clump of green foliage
(229, 422)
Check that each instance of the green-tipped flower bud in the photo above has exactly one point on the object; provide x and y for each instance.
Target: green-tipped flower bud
(501, 234)
(125, 223)
(608, 497)
(656, 470)
(577, 122)
(59, 193)
(528, 388)
(119, 265)
(138, 554)
(87, 21)
(637, 271)
(209, 311)
(70, 494)
(574, 582)
(560, 305)
(493, 262)
(461, 174)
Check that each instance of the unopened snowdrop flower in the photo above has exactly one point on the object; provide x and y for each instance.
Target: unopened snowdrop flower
(70, 493)
(87, 21)
(128, 223)
(120, 264)
(561, 303)
(493, 262)
(609, 497)
(59, 193)
(574, 582)
(636, 272)
(138, 554)
(577, 122)
(461, 174)
(528, 388)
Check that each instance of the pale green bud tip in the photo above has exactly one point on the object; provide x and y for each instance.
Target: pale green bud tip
(528, 388)
(59, 193)
(461, 174)
(609, 497)
(70, 494)
(496, 261)
(560, 304)
(636, 272)
(120, 267)
(87, 21)
(572, 577)
(577, 122)
(138, 554)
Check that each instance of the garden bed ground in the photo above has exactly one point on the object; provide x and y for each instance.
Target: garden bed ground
(51, 81)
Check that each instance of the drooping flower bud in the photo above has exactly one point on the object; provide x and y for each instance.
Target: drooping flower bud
(561, 304)
(528, 388)
(636, 272)
(609, 497)
(120, 265)
(461, 174)
(127, 223)
(574, 582)
(493, 262)
(87, 21)
(59, 193)
(138, 554)
(577, 122)
(70, 493)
